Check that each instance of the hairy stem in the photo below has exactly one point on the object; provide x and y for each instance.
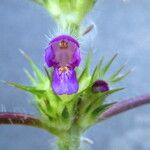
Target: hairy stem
(10, 118)
(124, 106)
(70, 140)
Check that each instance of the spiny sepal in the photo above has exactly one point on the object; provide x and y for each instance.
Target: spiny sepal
(61, 112)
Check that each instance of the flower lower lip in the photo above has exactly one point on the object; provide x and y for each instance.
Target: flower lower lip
(65, 82)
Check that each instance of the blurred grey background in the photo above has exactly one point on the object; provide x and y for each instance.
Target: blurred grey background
(121, 26)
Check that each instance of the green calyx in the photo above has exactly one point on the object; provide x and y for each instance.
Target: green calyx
(67, 13)
(81, 110)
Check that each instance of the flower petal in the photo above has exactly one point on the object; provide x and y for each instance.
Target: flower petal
(67, 37)
(76, 59)
(64, 56)
(49, 56)
(65, 82)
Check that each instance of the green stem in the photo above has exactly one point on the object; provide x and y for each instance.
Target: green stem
(70, 140)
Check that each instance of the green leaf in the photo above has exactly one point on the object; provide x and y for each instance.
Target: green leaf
(47, 73)
(108, 92)
(32, 90)
(101, 109)
(96, 72)
(86, 69)
(119, 78)
(117, 73)
(100, 63)
(42, 109)
(87, 90)
(99, 98)
(47, 104)
(105, 69)
(94, 75)
(30, 77)
(34, 67)
(65, 113)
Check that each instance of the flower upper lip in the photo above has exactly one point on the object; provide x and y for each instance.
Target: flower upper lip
(64, 37)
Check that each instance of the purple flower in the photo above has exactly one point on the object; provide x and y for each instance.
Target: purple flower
(63, 54)
(100, 86)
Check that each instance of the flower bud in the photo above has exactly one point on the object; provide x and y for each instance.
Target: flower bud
(100, 86)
